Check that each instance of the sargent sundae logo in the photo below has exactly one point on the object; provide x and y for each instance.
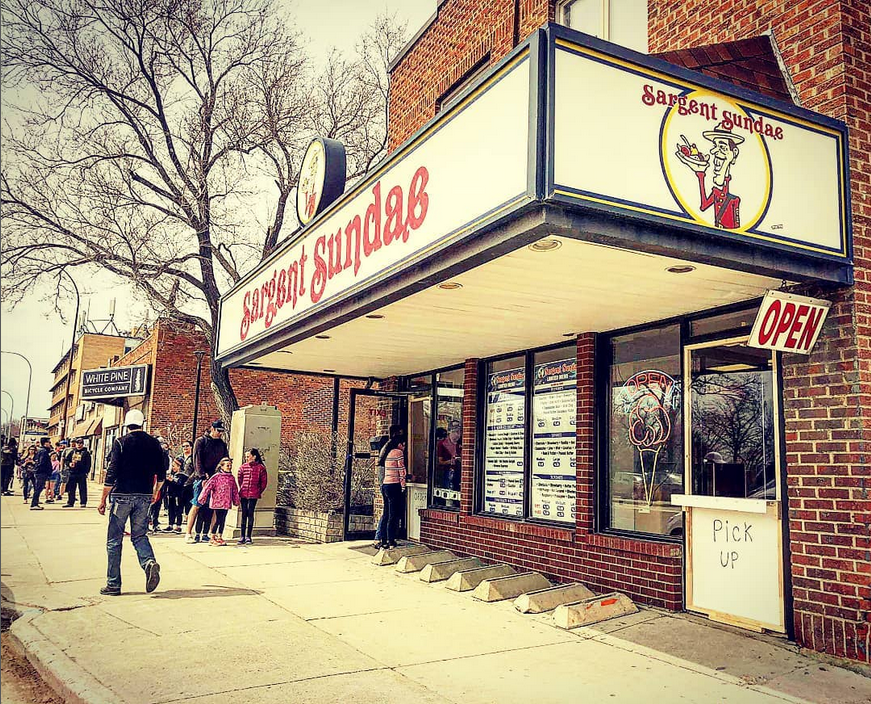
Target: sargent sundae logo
(714, 157)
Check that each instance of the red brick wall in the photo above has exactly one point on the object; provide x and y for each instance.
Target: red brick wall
(648, 571)
(827, 397)
(464, 33)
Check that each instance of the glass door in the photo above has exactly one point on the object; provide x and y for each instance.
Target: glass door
(733, 521)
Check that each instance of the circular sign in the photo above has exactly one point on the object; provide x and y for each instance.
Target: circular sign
(321, 178)
(715, 161)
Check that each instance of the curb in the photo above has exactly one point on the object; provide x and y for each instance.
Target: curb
(66, 677)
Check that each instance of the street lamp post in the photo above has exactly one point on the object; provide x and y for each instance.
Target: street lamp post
(11, 411)
(29, 381)
(199, 354)
(63, 428)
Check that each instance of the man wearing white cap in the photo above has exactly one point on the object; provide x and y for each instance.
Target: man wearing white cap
(135, 476)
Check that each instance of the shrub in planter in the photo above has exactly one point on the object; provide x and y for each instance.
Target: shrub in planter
(310, 473)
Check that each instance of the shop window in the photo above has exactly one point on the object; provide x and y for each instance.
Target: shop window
(737, 322)
(537, 453)
(644, 444)
(447, 470)
(623, 22)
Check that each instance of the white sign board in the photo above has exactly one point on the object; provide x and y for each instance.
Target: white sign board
(503, 442)
(469, 168)
(554, 417)
(638, 141)
(735, 565)
(788, 323)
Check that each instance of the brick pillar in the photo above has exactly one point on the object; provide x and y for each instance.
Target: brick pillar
(585, 433)
(470, 434)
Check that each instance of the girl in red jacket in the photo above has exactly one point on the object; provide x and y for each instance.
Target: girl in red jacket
(220, 494)
(252, 481)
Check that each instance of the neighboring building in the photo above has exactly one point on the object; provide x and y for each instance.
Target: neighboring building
(564, 260)
(32, 429)
(90, 350)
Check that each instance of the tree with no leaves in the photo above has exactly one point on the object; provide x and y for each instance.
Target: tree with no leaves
(154, 127)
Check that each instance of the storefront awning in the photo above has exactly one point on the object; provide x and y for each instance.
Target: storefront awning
(631, 169)
(87, 428)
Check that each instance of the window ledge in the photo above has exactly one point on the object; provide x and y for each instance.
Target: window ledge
(643, 547)
(562, 535)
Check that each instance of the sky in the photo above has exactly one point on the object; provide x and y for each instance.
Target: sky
(34, 328)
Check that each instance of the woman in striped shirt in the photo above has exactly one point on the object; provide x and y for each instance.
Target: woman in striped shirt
(392, 488)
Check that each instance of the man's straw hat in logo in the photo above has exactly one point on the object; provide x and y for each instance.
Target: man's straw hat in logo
(720, 132)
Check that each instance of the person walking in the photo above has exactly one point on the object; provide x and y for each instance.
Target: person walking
(26, 476)
(174, 490)
(393, 487)
(51, 484)
(134, 478)
(209, 450)
(395, 431)
(220, 494)
(41, 472)
(186, 458)
(77, 460)
(252, 481)
(9, 460)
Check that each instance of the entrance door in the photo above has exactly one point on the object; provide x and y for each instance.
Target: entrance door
(370, 415)
(419, 421)
(734, 557)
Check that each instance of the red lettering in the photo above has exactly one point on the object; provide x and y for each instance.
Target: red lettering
(395, 227)
(334, 259)
(810, 328)
(255, 304)
(786, 319)
(292, 283)
(302, 260)
(796, 326)
(372, 235)
(271, 309)
(354, 227)
(319, 278)
(246, 316)
(769, 322)
(417, 199)
(282, 288)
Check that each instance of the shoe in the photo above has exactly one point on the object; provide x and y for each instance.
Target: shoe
(37, 508)
(248, 540)
(152, 576)
(168, 529)
(69, 506)
(196, 538)
(392, 546)
(110, 591)
(83, 506)
(213, 541)
(178, 529)
(220, 541)
(49, 501)
(242, 541)
(190, 539)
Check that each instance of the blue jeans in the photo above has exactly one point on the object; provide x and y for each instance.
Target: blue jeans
(123, 507)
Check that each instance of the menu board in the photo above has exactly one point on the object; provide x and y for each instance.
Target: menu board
(503, 442)
(554, 415)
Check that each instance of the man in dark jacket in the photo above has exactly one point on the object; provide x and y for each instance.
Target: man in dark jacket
(209, 450)
(77, 461)
(135, 476)
(41, 472)
(10, 459)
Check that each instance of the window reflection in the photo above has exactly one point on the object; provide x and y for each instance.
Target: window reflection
(447, 472)
(733, 422)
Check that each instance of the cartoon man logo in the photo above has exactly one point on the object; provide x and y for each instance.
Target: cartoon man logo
(722, 155)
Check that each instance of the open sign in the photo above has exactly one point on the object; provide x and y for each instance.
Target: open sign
(788, 323)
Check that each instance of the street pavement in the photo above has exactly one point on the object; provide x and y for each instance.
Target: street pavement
(283, 621)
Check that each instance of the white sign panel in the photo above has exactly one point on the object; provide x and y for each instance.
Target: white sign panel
(736, 565)
(635, 140)
(788, 323)
(468, 168)
(554, 416)
(503, 443)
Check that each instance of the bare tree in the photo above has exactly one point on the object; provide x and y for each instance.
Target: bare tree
(154, 123)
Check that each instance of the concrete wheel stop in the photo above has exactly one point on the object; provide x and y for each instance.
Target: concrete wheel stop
(466, 580)
(440, 571)
(393, 555)
(510, 586)
(589, 611)
(415, 563)
(541, 600)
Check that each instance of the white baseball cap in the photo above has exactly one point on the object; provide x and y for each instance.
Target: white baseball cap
(134, 417)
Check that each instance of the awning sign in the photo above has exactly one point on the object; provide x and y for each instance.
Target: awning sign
(114, 382)
(788, 323)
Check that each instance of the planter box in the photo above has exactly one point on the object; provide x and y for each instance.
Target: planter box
(313, 526)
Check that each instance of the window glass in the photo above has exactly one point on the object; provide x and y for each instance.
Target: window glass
(627, 23)
(584, 16)
(419, 412)
(645, 447)
(738, 321)
(504, 436)
(447, 472)
(554, 417)
(733, 422)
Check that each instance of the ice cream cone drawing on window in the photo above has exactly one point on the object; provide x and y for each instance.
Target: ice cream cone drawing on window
(649, 398)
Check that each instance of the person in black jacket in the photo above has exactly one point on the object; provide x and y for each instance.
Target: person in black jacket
(134, 478)
(10, 459)
(41, 472)
(209, 450)
(77, 461)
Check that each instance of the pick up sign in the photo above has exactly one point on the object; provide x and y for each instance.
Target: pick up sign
(788, 323)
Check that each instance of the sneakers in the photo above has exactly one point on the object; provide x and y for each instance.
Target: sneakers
(221, 541)
(37, 508)
(168, 529)
(152, 576)
(213, 541)
(191, 539)
(242, 540)
(110, 591)
(248, 540)
(49, 501)
(69, 505)
(196, 538)
(178, 529)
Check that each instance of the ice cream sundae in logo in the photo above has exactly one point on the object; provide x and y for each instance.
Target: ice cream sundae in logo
(649, 399)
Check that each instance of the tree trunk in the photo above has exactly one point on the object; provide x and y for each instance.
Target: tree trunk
(225, 397)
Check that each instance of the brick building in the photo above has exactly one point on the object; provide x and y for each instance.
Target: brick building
(574, 255)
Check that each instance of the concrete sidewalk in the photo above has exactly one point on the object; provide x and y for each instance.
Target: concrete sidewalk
(281, 621)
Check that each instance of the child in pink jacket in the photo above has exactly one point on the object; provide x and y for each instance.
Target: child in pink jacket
(252, 481)
(222, 494)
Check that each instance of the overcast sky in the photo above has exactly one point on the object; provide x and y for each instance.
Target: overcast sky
(35, 330)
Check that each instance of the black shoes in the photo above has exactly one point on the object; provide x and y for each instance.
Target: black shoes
(37, 508)
(69, 506)
(152, 576)
(110, 591)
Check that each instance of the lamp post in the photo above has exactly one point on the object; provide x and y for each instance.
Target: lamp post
(63, 428)
(199, 354)
(11, 412)
(29, 381)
